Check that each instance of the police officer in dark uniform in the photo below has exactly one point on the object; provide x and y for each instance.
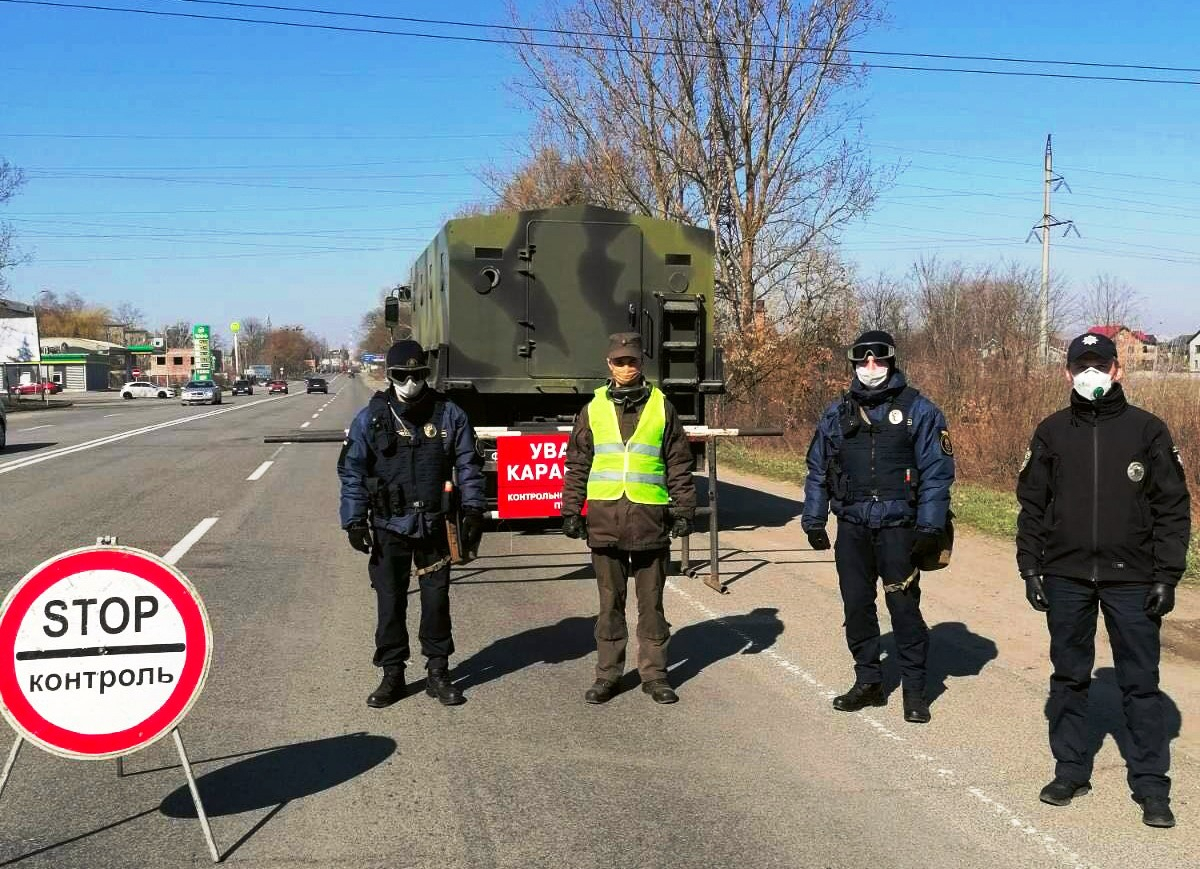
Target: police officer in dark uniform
(402, 449)
(882, 460)
(1104, 524)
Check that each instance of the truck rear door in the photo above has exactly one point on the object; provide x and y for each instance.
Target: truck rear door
(584, 283)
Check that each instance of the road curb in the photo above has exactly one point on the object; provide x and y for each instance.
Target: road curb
(36, 406)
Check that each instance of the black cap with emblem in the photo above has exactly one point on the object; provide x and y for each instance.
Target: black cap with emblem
(407, 359)
(625, 344)
(1094, 344)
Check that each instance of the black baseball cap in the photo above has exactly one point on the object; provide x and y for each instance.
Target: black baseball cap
(407, 359)
(1093, 343)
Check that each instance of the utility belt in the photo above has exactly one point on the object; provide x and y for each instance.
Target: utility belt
(388, 502)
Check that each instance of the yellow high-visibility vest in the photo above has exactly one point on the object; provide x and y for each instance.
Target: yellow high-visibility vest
(635, 469)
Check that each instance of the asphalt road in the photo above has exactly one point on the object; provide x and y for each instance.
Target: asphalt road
(751, 769)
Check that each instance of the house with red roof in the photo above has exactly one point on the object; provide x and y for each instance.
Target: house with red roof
(1136, 349)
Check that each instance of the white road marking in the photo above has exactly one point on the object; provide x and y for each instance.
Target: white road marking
(925, 763)
(278, 451)
(315, 415)
(110, 415)
(35, 428)
(108, 439)
(260, 470)
(189, 540)
(306, 424)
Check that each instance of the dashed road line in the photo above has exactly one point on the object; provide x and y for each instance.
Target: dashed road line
(260, 470)
(927, 763)
(189, 540)
(306, 424)
(315, 415)
(34, 428)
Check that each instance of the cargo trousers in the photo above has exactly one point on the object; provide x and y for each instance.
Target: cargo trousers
(613, 569)
(393, 557)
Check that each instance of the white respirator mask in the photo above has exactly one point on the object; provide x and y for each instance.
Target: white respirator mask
(1092, 383)
(409, 389)
(871, 378)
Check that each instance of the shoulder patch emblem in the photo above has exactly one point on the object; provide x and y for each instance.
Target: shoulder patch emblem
(947, 447)
(896, 416)
(1136, 471)
(430, 430)
(1025, 461)
(1178, 457)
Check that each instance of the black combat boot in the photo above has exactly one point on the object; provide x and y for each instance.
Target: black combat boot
(438, 684)
(390, 689)
(916, 707)
(601, 692)
(1156, 812)
(1061, 791)
(862, 695)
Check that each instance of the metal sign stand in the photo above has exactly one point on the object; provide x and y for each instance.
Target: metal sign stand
(187, 770)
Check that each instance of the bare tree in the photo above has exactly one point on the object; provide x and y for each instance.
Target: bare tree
(11, 178)
(732, 114)
(885, 304)
(1109, 302)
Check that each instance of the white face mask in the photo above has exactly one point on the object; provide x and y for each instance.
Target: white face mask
(409, 389)
(871, 378)
(1093, 383)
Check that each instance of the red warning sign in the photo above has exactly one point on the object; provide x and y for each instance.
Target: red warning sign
(103, 650)
(529, 475)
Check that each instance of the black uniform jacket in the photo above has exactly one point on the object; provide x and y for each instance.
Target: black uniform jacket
(1103, 495)
(622, 523)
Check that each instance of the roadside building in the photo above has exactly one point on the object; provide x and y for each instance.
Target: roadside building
(1193, 353)
(84, 364)
(174, 366)
(1136, 349)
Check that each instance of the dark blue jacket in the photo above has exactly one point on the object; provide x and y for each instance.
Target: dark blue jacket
(357, 459)
(934, 464)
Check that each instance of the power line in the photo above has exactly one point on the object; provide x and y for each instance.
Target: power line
(771, 46)
(240, 138)
(580, 47)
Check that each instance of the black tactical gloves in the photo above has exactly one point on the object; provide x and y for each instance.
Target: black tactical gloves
(574, 527)
(681, 527)
(360, 537)
(926, 546)
(818, 539)
(1035, 592)
(472, 523)
(1160, 599)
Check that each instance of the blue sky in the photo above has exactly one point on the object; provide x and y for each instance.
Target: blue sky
(209, 171)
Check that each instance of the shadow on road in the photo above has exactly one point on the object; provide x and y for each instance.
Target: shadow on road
(698, 646)
(741, 508)
(278, 776)
(954, 650)
(1106, 715)
(567, 640)
(11, 448)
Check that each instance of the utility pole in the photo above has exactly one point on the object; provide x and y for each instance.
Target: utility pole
(1041, 231)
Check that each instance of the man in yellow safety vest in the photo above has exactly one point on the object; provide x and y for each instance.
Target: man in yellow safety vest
(629, 458)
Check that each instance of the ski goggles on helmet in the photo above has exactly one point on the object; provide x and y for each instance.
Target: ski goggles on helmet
(398, 374)
(881, 351)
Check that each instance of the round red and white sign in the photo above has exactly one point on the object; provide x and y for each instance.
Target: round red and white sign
(137, 372)
(103, 650)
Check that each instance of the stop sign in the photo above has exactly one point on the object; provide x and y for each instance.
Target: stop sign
(137, 372)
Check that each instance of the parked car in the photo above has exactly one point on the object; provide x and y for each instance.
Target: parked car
(3, 427)
(242, 386)
(274, 386)
(316, 384)
(200, 391)
(48, 386)
(145, 389)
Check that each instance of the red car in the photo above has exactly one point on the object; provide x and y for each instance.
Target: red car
(37, 388)
(274, 386)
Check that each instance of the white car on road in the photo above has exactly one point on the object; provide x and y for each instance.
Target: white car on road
(202, 391)
(145, 389)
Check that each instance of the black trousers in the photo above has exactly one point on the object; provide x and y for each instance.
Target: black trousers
(390, 566)
(1135, 645)
(864, 556)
